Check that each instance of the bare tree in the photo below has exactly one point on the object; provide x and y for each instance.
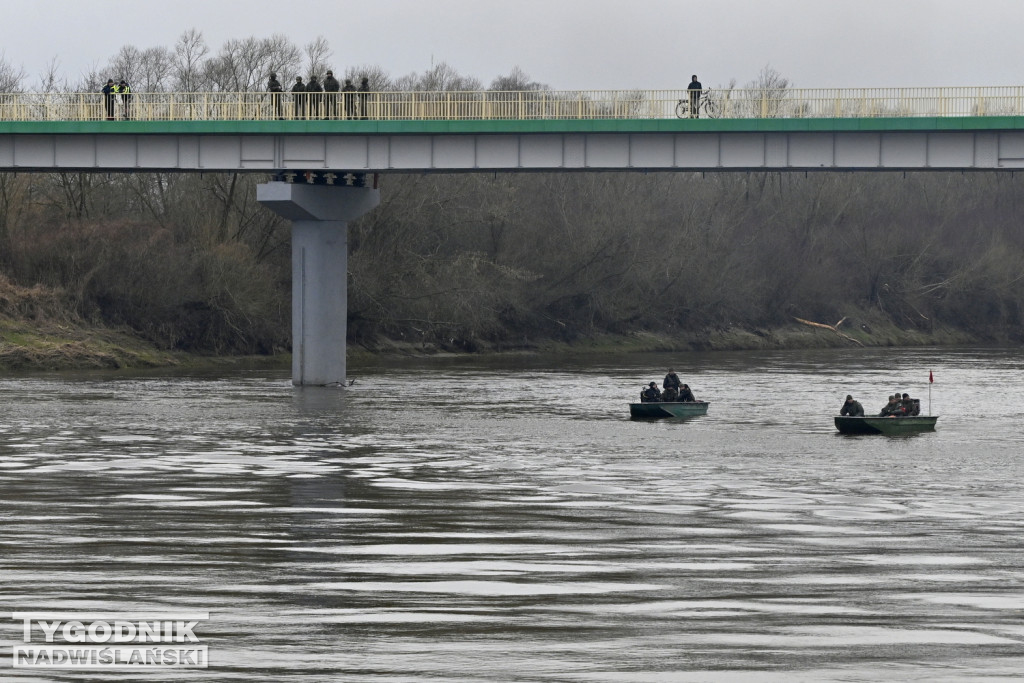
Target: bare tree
(317, 53)
(243, 65)
(517, 80)
(440, 77)
(768, 93)
(10, 76)
(189, 53)
(377, 78)
(126, 64)
(156, 68)
(49, 81)
(284, 57)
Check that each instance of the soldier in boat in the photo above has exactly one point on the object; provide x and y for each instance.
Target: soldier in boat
(686, 395)
(851, 407)
(650, 394)
(893, 408)
(670, 395)
(671, 380)
(910, 406)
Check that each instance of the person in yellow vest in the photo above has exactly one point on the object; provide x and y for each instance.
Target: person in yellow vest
(125, 91)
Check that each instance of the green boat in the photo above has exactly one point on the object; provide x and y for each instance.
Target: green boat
(886, 425)
(668, 409)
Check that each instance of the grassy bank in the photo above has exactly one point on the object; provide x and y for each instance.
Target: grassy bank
(37, 332)
(32, 346)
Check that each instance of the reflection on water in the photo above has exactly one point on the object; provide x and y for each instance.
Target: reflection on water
(506, 520)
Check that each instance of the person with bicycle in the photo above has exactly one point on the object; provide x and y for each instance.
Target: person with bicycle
(694, 91)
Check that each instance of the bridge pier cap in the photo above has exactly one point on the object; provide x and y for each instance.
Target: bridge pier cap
(298, 202)
(319, 215)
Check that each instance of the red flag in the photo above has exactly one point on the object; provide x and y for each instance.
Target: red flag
(931, 377)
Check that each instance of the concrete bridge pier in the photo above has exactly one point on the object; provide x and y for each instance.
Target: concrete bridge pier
(319, 215)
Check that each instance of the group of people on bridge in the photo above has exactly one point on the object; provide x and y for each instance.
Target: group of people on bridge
(314, 100)
(111, 91)
(899, 405)
(672, 391)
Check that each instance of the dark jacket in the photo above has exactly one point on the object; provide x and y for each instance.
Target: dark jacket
(274, 85)
(852, 408)
(650, 394)
(671, 380)
(686, 395)
(331, 84)
(313, 86)
(892, 409)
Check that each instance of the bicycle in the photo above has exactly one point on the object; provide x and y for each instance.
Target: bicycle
(705, 104)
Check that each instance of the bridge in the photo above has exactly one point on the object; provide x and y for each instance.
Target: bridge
(797, 130)
(320, 150)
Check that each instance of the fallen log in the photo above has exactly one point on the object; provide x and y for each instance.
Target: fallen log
(834, 328)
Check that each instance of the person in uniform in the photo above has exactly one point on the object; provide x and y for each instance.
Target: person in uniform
(671, 380)
(314, 97)
(275, 90)
(670, 395)
(650, 394)
(331, 88)
(349, 99)
(299, 93)
(686, 395)
(364, 98)
(892, 408)
(852, 408)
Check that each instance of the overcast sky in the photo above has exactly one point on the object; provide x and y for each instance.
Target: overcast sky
(567, 44)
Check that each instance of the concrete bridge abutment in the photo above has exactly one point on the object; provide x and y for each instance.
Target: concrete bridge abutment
(320, 216)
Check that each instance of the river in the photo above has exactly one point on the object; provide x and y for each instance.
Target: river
(503, 519)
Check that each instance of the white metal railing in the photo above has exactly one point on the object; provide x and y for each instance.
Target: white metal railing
(525, 105)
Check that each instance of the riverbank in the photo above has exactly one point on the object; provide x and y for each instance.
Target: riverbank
(49, 345)
(860, 331)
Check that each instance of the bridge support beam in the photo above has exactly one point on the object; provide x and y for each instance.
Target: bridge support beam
(319, 216)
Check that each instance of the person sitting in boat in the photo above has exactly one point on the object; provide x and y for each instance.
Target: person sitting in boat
(892, 408)
(910, 406)
(852, 408)
(670, 395)
(686, 395)
(650, 394)
(671, 380)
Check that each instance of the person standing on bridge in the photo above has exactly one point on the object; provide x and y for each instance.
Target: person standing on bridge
(694, 90)
(299, 94)
(109, 95)
(275, 90)
(314, 93)
(349, 99)
(331, 88)
(125, 91)
(364, 98)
